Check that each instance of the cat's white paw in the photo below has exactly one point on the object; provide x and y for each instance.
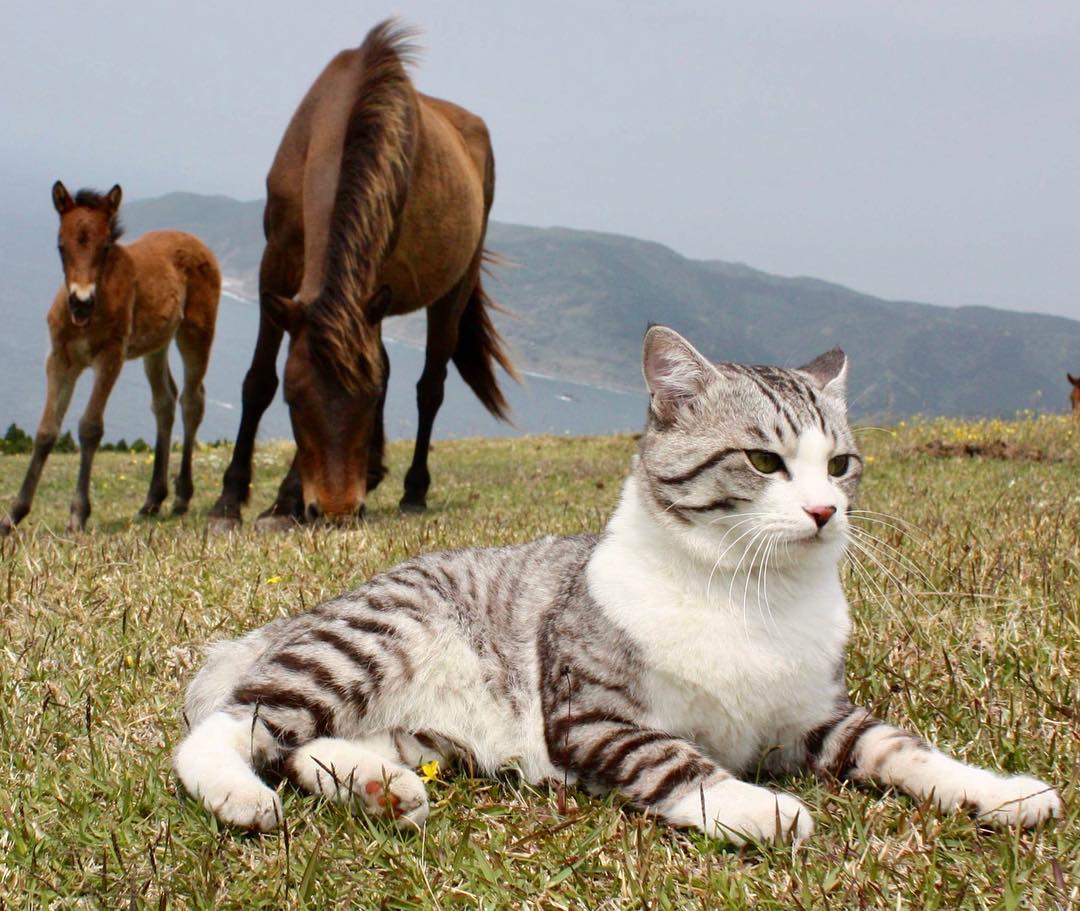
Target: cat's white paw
(739, 812)
(402, 796)
(1019, 800)
(343, 770)
(245, 805)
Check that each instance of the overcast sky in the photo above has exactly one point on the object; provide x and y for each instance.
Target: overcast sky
(919, 150)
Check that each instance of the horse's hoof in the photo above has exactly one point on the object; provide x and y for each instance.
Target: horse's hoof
(7, 527)
(180, 509)
(275, 523)
(149, 509)
(223, 525)
(413, 507)
(76, 526)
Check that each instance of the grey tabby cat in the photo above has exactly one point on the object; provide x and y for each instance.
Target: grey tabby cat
(699, 639)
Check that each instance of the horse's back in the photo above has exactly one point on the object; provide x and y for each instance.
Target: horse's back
(470, 127)
(177, 272)
(442, 222)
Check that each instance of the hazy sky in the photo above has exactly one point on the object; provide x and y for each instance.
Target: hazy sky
(920, 150)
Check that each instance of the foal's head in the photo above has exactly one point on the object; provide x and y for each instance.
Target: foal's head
(333, 409)
(89, 227)
(1074, 397)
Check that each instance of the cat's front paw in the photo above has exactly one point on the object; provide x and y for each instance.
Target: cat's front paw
(247, 806)
(1019, 800)
(401, 796)
(738, 812)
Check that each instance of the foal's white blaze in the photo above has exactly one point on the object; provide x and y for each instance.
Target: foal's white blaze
(82, 292)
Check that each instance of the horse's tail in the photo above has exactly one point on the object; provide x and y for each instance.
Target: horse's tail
(376, 165)
(479, 349)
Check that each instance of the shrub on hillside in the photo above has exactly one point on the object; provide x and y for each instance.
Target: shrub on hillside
(16, 441)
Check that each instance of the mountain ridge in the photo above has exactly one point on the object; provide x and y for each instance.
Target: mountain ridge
(582, 300)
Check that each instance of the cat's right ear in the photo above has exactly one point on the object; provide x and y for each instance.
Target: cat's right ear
(674, 372)
(829, 371)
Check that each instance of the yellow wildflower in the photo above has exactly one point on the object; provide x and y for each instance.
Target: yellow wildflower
(429, 771)
(273, 580)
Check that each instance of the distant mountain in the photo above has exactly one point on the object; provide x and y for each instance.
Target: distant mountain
(582, 301)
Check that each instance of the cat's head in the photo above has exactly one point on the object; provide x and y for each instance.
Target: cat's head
(738, 459)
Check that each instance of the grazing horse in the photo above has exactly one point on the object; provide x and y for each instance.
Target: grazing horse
(377, 205)
(117, 303)
(1074, 395)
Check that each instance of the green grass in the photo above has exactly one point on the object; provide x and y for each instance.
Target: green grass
(100, 632)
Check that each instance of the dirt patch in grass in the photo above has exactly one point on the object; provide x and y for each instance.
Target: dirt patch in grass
(986, 449)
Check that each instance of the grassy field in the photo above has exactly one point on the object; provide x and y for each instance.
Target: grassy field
(968, 631)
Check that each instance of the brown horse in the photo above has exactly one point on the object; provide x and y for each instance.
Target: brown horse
(1074, 395)
(118, 303)
(377, 204)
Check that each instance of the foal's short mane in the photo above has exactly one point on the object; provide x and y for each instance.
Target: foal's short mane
(376, 165)
(92, 199)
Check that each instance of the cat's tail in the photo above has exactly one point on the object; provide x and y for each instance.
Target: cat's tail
(226, 663)
(216, 760)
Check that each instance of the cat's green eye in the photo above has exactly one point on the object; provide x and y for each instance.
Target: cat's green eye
(764, 461)
(838, 465)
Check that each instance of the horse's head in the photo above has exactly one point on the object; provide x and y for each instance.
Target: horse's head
(89, 227)
(333, 419)
(1074, 396)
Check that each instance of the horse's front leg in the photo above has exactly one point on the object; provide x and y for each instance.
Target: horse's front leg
(259, 387)
(61, 383)
(288, 508)
(376, 469)
(91, 428)
(442, 337)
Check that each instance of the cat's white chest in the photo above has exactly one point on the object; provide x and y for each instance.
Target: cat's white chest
(735, 676)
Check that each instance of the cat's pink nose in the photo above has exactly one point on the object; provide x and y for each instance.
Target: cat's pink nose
(820, 514)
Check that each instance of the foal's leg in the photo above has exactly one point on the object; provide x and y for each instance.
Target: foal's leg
(442, 337)
(91, 428)
(194, 345)
(61, 383)
(163, 399)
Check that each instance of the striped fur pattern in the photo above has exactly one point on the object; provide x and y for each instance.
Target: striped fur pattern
(376, 165)
(699, 640)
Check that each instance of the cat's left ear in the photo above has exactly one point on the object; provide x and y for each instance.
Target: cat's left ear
(829, 372)
(674, 371)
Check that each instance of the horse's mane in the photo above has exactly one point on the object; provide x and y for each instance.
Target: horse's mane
(376, 165)
(93, 199)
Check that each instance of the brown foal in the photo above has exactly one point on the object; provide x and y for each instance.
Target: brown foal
(1074, 395)
(377, 205)
(118, 303)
